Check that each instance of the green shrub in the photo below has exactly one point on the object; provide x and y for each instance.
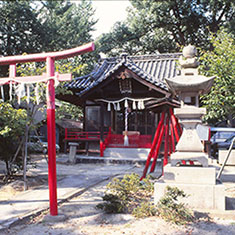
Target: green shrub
(146, 209)
(127, 194)
(171, 210)
(111, 204)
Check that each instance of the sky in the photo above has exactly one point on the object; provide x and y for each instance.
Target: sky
(108, 12)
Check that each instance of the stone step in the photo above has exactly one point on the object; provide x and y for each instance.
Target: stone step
(127, 153)
(108, 160)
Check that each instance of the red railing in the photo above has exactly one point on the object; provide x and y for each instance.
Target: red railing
(135, 141)
(110, 139)
(82, 135)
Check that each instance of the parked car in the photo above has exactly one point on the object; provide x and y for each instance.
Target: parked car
(226, 144)
(218, 138)
(39, 144)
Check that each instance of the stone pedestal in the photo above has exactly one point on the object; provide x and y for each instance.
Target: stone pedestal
(72, 152)
(189, 146)
(197, 182)
(196, 157)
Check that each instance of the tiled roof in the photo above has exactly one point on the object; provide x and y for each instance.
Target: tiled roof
(152, 68)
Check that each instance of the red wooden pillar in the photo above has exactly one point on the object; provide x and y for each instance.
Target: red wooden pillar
(170, 145)
(157, 149)
(102, 129)
(52, 181)
(172, 137)
(165, 161)
(153, 147)
(174, 123)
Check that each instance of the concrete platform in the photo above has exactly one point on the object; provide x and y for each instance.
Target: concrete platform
(117, 156)
(130, 153)
(199, 183)
(223, 155)
(210, 197)
(189, 175)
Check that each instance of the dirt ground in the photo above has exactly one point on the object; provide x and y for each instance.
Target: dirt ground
(81, 217)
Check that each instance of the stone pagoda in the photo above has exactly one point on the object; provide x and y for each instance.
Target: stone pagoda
(197, 180)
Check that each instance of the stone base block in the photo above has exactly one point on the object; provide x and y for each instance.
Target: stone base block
(211, 197)
(223, 154)
(54, 219)
(200, 157)
(72, 152)
(189, 175)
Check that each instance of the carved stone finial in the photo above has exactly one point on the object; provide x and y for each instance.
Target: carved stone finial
(189, 51)
(188, 60)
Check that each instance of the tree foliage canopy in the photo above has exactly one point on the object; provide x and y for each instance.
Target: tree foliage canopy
(33, 26)
(220, 102)
(67, 24)
(20, 29)
(162, 26)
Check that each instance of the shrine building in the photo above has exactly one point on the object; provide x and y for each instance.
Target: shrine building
(123, 96)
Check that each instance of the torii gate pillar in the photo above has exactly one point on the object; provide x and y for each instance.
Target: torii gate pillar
(52, 182)
(50, 58)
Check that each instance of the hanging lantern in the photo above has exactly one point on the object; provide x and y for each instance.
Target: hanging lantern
(114, 106)
(126, 104)
(133, 105)
(109, 107)
(142, 104)
(118, 106)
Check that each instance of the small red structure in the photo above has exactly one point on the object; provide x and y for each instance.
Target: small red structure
(49, 58)
(162, 132)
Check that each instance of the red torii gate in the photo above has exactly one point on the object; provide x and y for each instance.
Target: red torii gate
(49, 58)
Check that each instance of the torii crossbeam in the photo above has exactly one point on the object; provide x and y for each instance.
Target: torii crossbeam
(49, 58)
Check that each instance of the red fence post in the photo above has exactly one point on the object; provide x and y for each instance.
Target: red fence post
(101, 148)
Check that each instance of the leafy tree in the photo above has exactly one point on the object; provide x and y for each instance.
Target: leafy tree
(16, 123)
(35, 26)
(20, 29)
(67, 24)
(162, 26)
(220, 102)
(12, 124)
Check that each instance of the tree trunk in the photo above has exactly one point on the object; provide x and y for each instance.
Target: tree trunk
(25, 158)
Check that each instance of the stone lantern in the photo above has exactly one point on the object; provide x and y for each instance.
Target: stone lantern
(198, 181)
(188, 86)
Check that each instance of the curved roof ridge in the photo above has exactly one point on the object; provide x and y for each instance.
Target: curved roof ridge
(152, 68)
(142, 57)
